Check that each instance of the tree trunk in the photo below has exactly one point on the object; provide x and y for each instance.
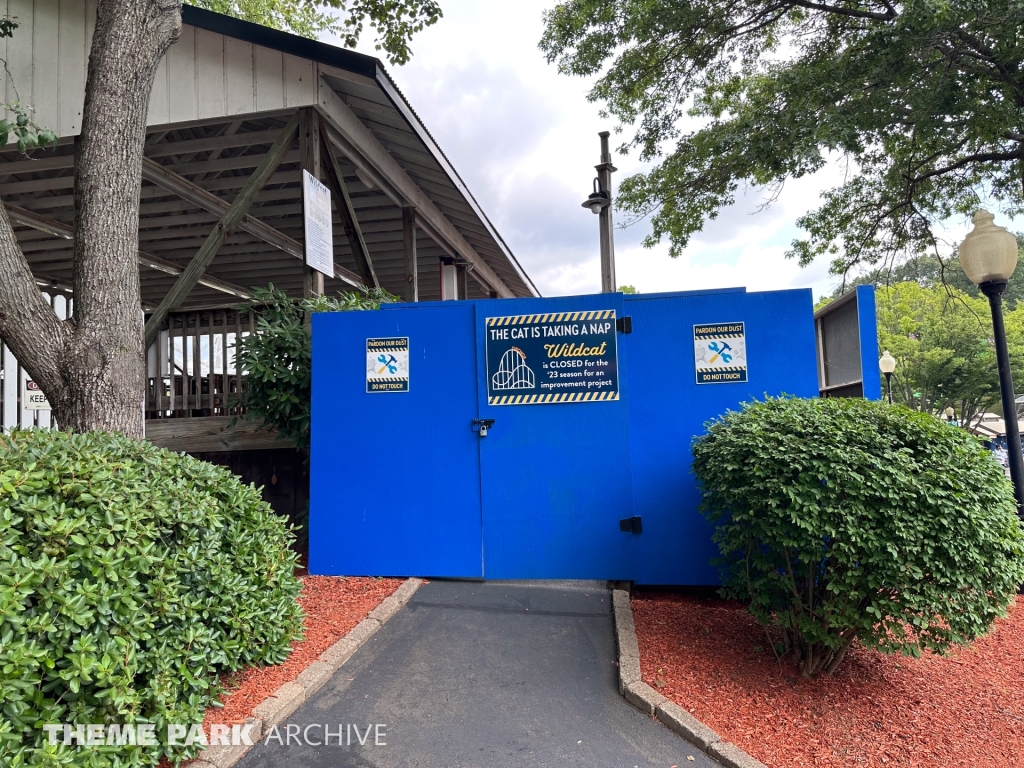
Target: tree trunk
(91, 367)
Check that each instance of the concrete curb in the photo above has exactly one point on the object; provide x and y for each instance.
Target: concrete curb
(649, 701)
(286, 699)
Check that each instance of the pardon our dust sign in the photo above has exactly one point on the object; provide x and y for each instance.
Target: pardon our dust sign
(720, 353)
(558, 357)
(387, 364)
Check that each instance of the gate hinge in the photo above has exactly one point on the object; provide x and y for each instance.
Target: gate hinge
(631, 525)
(624, 324)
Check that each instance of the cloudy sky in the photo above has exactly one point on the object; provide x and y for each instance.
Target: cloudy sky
(524, 138)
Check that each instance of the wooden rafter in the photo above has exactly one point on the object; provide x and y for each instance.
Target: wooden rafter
(172, 182)
(346, 212)
(169, 181)
(365, 149)
(236, 212)
(63, 231)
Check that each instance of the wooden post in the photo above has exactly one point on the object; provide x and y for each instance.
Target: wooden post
(309, 158)
(462, 285)
(194, 271)
(411, 290)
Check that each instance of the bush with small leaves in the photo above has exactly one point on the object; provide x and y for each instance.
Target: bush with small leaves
(277, 359)
(131, 577)
(845, 520)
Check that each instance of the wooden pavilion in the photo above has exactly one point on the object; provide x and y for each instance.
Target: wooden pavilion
(237, 112)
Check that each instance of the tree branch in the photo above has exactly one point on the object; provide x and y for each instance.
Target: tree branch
(888, 15)
(28, 325)
(980, 157)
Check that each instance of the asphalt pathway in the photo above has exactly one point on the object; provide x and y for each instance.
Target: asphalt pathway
(482, 675)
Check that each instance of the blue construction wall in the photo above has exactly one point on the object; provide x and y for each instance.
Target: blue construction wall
(401, 485)
(676, 546)
(868, 324)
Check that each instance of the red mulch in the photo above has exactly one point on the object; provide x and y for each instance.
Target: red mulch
(713, 659)
(333, 606)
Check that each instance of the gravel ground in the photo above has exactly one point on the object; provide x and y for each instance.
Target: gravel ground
(712, 658)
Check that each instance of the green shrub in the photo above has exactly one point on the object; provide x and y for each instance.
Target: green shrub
(130, 578)
(845, 519)
(277, 359)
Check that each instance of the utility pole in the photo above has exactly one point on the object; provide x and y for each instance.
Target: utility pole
(604, 178)
(600, 202)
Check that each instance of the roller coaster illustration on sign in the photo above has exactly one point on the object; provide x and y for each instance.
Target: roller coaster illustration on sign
(513, 372)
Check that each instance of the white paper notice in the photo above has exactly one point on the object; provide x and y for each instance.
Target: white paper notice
(316, 206)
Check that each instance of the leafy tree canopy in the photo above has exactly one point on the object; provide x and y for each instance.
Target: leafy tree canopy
(395, 21)
(929, 272)
(923, 99)
(941, 339)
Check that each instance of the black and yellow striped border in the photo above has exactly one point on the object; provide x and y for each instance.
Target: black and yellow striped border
(575, 397)
(723, 369)
(552, 317)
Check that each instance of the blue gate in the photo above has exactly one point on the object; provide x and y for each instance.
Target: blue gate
(535, 438)
(395, 476)
(555, 476)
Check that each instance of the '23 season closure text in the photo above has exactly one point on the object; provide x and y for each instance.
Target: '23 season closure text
(552, 358)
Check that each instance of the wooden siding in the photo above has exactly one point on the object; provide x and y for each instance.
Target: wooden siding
(204, 75)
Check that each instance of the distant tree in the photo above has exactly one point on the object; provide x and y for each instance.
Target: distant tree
(628, 289)
(941, 339)
(923, 100)
(929, 271)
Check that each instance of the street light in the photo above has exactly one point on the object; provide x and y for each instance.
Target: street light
(887, 363)
(950, 413)
(597, 199)
(989, 255)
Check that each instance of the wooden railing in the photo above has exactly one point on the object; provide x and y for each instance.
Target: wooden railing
(192, 385)
(191, 369)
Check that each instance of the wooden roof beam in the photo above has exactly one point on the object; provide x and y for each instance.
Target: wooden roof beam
(171, 182)
(232, 218)
(191, 192)
(353, 138)
(61, 230)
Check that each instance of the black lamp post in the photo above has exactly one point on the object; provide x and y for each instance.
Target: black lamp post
(989, 255)
(887, 364)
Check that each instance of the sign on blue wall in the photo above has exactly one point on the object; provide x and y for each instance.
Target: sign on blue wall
(387, 364)
(558, 357)
(720, 353)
